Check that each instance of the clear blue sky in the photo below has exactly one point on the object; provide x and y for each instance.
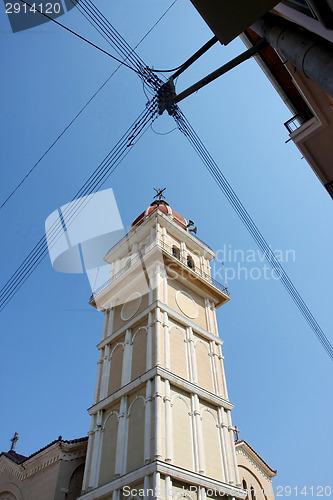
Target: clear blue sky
(279, 377)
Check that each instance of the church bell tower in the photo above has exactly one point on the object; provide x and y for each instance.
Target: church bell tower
(161, 418)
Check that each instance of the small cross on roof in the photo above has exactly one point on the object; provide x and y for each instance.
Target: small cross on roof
(13, 440)
(159, 193)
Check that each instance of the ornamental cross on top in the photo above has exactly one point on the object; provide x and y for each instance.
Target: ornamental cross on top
(159, 193)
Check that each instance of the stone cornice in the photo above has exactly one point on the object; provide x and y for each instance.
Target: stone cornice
(172, 314)
(187, 322)
(45, 458)
(243, 448)
(177, 381)
(166, 469)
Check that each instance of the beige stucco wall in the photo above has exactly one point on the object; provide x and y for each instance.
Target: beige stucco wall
(109, 448)
(129, 306)
(198, 316)
(39, 479)
(139, 352)
(164, 417)
(254, 475)
(116, 364)
(136, 431)
(178, 351)
(204, 365)
(212, 445)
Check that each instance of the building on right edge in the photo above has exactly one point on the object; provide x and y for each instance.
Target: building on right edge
(298, 61)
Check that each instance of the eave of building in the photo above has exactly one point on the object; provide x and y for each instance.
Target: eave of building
(279, 76)
(192, 278)
(166, 469)
(301, 95)
(314, 138)
(175, 380)
(196, 282)
(305, 98)
(228, 19)
(45, 457)
(243, 446)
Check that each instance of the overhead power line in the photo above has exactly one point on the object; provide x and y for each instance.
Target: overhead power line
(95, 17)
(83, 108)
(186, 129)
(82, 38)
(93, 183)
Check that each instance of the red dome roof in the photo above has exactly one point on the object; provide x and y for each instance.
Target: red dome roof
(163, 207)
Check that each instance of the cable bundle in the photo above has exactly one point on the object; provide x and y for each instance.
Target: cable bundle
(186, 129)
(118, 153)
(95, 17)
(93, 183)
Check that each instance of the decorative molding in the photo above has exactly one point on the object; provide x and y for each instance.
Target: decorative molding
(167, 469)
(135, 295)
(32, 468)
(172, 314)
(254, 463)
(184, 307)
(166, 375)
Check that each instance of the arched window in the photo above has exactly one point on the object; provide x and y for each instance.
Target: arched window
(190, 262)
(75, 484)
(253, 497)
(245, 488)
(176, 252)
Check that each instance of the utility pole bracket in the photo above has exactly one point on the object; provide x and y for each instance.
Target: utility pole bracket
(165, 97)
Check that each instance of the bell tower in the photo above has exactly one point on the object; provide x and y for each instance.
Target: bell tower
(161, 418)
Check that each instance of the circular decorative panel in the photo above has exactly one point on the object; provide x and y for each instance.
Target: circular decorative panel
(131, 306)
(186, 304)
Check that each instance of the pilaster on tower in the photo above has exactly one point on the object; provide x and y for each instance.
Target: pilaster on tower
(161, 421)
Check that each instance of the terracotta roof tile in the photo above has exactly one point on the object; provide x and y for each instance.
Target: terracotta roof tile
(13, 456)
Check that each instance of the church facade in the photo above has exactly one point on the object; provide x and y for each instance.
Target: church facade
(161, 423)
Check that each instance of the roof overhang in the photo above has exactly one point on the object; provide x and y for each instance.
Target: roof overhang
(253, 455)
(228, 19)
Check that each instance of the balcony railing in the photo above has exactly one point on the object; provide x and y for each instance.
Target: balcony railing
(169, 250)
(195, 270)
(296, 122)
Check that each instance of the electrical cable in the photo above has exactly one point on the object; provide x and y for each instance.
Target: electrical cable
(57, 139)
(145, 74)
(39, 251)
(187, 130)
(82, 38)
(84, 107)
(162, 133)
(109, 33)
(41, 248)
(93, 183)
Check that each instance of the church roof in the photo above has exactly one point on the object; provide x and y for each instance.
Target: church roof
(19, 459)
(164, 207)
(245, 444)
(14, 457)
